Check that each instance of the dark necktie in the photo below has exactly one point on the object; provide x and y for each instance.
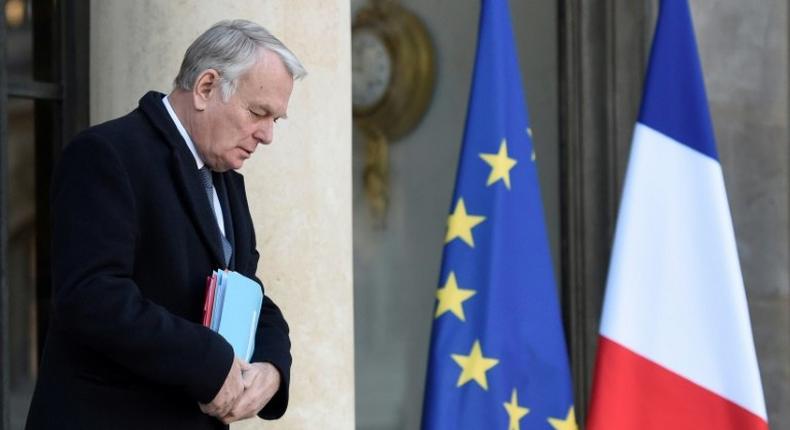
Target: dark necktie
(208, 184)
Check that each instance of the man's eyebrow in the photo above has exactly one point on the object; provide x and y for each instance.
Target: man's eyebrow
(267, 108)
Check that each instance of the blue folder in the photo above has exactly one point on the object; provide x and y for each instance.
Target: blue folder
(237, 306)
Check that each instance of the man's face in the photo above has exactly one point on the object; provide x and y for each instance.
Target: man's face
(230, 131)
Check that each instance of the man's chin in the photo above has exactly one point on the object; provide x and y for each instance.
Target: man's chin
(236, 164)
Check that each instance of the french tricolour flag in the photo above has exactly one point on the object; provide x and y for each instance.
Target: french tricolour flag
(675, 349)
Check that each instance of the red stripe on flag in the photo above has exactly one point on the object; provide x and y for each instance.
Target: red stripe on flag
(632, 392)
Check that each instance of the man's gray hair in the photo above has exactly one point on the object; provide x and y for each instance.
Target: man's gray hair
(231, 48)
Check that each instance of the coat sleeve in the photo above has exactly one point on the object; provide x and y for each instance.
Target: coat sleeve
(273, 345)
(96, 301)
(272, 341)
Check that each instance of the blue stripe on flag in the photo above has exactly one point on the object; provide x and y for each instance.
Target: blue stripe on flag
(674, 101)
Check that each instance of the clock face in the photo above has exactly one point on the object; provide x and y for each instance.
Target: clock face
(371, 68)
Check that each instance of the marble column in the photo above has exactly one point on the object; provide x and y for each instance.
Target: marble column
(299, 188)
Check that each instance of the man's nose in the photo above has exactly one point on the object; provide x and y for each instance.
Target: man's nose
(265, 132)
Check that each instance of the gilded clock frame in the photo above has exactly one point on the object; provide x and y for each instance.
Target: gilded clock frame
(413, 69)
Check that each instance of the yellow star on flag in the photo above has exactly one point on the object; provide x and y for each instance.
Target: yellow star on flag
(474, 366)
(451, 298)
(500, 165)
(569, 423)
(515, 412)
(460, 224)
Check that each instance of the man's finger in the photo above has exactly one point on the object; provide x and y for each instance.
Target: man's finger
(250, 378)
(228, 407)
(210, 409)
(245, 404)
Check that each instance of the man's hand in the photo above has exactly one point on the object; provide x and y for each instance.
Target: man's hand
(229, 392)
(261, 382)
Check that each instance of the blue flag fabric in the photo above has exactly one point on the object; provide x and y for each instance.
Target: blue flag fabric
(498, 357)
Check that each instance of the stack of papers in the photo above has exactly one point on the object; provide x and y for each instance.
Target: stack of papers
(232, 307)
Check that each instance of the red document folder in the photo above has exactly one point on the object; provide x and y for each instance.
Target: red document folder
(208, 304)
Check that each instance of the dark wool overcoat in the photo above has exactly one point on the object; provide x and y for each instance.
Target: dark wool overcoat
(133, 239)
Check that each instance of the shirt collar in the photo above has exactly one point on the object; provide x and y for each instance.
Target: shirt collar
(191, 145)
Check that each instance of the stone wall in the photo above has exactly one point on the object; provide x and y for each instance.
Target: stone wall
(744, 50)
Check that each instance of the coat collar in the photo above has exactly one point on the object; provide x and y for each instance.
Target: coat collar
(185, 174)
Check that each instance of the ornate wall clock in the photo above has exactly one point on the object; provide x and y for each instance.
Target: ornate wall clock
(392, 84)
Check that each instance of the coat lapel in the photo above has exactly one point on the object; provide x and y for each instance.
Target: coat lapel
(239, 213)
(185, 175)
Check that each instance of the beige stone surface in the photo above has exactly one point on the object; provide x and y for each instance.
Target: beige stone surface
(299, 188)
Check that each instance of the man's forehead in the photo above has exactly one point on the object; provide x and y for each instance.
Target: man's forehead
(267, 66)
(267, 85)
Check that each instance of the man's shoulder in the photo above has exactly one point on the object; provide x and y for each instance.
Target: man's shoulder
(129, 134)
(129, 127)
(129, 142)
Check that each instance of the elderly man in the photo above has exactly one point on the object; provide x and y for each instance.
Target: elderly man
(144, 207)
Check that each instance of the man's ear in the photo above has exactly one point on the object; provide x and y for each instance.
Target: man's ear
(206, 87)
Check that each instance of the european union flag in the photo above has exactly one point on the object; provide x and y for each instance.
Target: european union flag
(498, 358)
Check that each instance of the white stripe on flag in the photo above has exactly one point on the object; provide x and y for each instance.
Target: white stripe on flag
(692, 319)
